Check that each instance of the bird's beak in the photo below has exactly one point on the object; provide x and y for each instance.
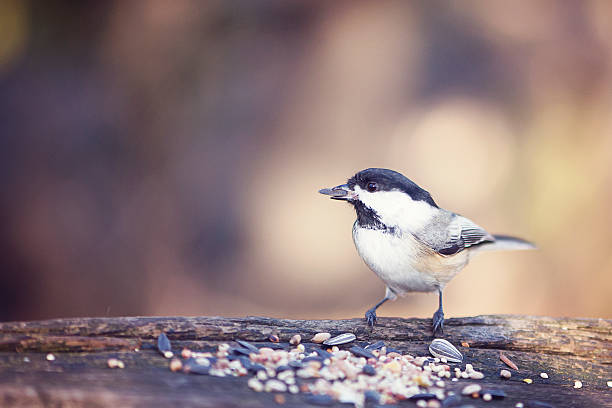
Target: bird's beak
(341, 192)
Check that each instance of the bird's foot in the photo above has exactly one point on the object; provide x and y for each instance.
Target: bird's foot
(438, 321)
(370, 316)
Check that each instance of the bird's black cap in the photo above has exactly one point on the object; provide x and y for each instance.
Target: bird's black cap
(389, 180)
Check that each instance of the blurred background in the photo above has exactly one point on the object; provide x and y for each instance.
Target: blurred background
(163, 157)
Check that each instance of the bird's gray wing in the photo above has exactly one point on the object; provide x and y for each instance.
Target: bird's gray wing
(462, 234)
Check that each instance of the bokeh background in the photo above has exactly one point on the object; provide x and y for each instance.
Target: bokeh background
(163, 157)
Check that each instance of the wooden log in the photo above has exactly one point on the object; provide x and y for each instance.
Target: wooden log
(566, 349)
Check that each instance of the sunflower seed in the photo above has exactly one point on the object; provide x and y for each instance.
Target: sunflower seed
(361, 352)
(443, 349)
(375, 346)
(505, 374)
(323, 353)
(495, 393)
(248, 345)
(163, 345)
(422, 396)
(295, 340)
(577, 384)
(341, 339)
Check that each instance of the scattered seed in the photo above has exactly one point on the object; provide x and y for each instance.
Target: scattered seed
(609, 382)
(248, 346)
(341, 339)
(476, 375)
(255, 384)
(544, 375)
(275, 386)
(368, 370)
(115, 363)
(295, 340)
(241, 350)
(375, 346)
(361, 352)
(274, 338)
(279, 399)
(176, 365)
(487, 397)
(519, 405)
(507, 361)
(527, 380)
(505, 374)
(300, 348)
(443, 348)
(27, 360)
(186, 353)
(422, 396)
(50, 357)
(465, 344)
(421, 404)
(495, 394)
(320, 337)
(163, 345)
(323, 353)
(577, 384)
(471, 389)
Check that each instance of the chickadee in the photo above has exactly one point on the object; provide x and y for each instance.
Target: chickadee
(407, 240)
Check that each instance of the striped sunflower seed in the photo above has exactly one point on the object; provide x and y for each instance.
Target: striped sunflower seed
(341, 339)
(443, 349)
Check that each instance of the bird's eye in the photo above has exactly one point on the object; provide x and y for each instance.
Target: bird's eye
(372, 187)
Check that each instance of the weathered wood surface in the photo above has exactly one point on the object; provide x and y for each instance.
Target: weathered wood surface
(566, 349)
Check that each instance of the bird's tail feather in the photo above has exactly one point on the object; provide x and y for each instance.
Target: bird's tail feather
(507, 243)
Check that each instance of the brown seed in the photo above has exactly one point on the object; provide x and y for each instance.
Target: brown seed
(279, 399)
(274, 338)
(465, 344)
(176, 365)
(505, 374)
(320, 337)
(508, 362)
(295, 340)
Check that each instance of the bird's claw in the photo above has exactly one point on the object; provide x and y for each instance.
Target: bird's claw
(370, 316)
(438, 321)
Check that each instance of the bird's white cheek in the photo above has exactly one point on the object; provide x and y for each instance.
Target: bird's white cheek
(396, 208)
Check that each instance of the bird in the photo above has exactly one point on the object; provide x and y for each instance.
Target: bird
(405, 238)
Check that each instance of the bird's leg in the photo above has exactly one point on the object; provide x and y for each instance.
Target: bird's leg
(370, 315)
(438, 317)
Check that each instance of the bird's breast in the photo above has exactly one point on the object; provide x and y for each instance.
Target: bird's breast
(404, 263)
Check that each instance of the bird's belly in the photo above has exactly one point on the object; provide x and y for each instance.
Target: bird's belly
(402, 262)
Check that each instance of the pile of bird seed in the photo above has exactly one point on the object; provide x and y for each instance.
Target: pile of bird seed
(326, 374)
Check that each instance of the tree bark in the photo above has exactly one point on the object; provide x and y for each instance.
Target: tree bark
(566, 349)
